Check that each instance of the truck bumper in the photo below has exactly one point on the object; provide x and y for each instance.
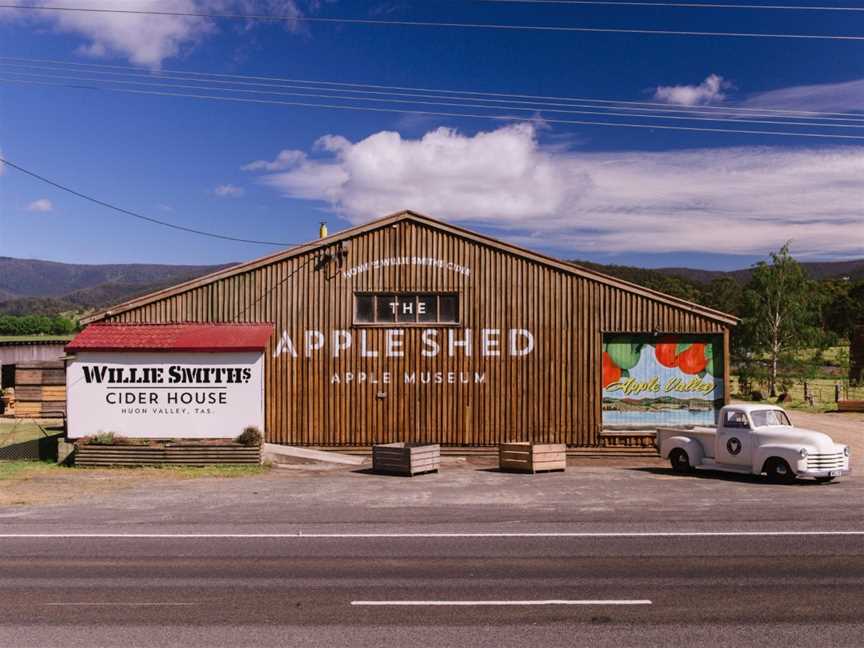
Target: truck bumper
(824, 473)
(836, 471)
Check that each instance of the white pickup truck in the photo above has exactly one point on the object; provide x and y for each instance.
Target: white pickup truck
(755, 439)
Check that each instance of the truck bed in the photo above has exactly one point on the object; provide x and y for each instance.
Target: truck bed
(704, 434)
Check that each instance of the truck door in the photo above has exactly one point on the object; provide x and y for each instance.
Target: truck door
(734, 439)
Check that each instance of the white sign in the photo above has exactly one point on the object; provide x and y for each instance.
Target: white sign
(464, 342)
(392, 262)
(165, 395)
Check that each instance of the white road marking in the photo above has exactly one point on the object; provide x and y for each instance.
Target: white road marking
(478, 534)
(115, 604)
(529, 602)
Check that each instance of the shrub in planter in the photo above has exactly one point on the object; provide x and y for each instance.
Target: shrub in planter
(251, 436)
(109, 438)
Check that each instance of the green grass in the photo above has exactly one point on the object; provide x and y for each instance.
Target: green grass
(191, 472)
(821, 388)
(25, 469)
(214, 471)
(22, 469)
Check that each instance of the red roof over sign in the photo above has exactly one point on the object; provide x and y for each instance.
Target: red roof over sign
(202, 338)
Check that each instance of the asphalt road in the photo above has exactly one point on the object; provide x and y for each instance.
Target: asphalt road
(281, 591)
(278, 560)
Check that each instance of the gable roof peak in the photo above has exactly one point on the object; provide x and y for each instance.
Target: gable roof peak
(426, 221)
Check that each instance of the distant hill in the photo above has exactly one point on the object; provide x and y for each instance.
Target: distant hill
(33, 286)
(816, 269)
(659, 277)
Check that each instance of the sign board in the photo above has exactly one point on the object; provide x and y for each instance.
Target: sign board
(165, 394)
(651, 381)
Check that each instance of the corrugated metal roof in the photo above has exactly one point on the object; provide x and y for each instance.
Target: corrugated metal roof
(482, 239)
(172, 337)
(34, 340)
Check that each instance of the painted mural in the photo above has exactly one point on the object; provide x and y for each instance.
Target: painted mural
(667, 380)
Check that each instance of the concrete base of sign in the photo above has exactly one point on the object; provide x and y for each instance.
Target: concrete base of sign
(64, 451)
(274, 452)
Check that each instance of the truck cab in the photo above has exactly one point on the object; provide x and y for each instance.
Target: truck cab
(755, 439)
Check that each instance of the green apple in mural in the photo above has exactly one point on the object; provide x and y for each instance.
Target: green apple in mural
(625, 354)
(709, 359)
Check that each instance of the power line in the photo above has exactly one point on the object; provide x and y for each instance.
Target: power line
(128, 212)
(287, 82)
(683, 5)
(453, 25)
(391, 96)
(463, 104)
(440, 113)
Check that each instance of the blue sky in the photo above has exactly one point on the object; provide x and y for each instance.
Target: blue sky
(621, 195)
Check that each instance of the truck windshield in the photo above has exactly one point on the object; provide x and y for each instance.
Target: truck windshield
(761, 418)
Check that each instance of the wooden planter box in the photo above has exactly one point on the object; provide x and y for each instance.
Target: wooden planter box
(532, 457)
(405, 458)
(850, 406)
(169, 454)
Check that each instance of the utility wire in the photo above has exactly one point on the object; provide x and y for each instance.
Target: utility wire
(440, 113)
(128, 212)
(471, 94)
(683, 5)
(106, 84)
(422, 23)
(163, 80)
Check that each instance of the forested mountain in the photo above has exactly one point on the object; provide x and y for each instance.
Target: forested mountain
(36, 287)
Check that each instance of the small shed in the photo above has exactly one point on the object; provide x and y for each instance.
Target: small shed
(26, 349)
(166, 380)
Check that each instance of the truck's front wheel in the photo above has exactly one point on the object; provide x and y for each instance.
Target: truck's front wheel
(779, 471)
(680, 461)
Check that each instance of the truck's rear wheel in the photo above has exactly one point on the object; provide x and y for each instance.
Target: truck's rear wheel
(779, 471)
(680, 461)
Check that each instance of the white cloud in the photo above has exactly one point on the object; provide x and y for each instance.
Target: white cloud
(708, 92)
(286, 159)
(229, 191)
(147, 40)
(41, 205)
(732, 200)
(821, 97)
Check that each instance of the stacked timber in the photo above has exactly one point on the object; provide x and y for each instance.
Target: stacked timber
(40, 390)
(532, 457)
(91, 454)
(405, 458)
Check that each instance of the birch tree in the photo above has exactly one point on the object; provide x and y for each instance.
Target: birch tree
(782, 308)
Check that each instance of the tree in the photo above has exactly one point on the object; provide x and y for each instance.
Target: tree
(724, 294)
(781, 313)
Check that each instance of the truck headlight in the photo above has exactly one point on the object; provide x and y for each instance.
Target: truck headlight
(845, 451)
(803, 453)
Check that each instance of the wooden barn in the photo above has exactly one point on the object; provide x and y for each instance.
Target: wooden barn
(411, 329)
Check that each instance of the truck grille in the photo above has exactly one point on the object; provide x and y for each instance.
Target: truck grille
(832, 461)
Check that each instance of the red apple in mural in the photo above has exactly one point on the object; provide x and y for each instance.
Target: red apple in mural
(666, 354)
(692, 360)
(611, 371)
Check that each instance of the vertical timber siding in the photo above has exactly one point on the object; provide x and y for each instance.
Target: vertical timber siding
(551, 395)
